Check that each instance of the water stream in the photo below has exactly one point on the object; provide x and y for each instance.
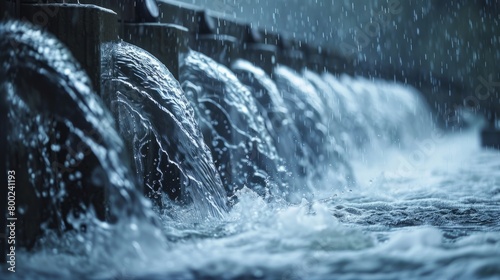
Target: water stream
(279, 122)
(232, 126)
(375, 192)
(157, 123)
(75, 191)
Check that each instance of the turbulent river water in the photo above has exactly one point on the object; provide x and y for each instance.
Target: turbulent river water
(377, 191)
(435, 218)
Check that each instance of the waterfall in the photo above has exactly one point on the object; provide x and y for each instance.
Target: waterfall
(374, 114)
(311, 116)
(281, 126)
(71, 165)
(232, 126)
(279, 138)
(158, 125)
(232, 174)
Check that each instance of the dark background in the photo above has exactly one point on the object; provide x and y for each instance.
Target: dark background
(453, 45)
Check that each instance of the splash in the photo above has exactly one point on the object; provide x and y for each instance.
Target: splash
(75, 191)
(436, 219)
(64, 145)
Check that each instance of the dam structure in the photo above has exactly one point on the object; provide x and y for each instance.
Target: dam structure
(196, 139)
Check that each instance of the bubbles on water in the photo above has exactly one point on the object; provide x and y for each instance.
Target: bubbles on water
(59, 139)
(311, 239)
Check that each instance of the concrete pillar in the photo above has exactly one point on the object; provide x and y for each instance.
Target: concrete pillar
(291, 54)
(167, 42)
(205, 35)
(250, 43)
(287, 54)
(314, 58)
(129, 10)
(263, 55)
(337, 63)
(222, 48)
(271, 38)
(242, 31)
(190, 16)
(82, 28)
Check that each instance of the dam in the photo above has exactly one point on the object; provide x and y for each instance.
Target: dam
(257, 139)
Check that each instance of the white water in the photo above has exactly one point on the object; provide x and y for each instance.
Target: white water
(439, 219)
(425, 205)
(425, 210)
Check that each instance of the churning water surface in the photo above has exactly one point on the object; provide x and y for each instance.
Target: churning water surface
(428, 212)
(423, 204)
